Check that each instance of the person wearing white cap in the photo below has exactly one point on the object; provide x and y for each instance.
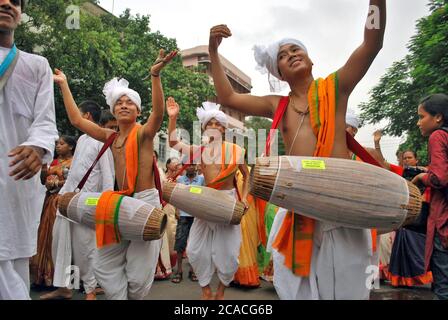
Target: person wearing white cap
(125, 270)
(312, 123)
(351, 122)
(211, 245)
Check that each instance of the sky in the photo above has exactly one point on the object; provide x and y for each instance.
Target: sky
(331, 30)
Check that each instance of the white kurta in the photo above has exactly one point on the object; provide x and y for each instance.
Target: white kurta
(75, 238)
(339, 264)
(126, 270)
(213, 246)
(27, 117)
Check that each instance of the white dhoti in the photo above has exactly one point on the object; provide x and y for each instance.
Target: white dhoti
(71, 239)
(15, 279)
(214, 246)
(126, 270)
(339, 265)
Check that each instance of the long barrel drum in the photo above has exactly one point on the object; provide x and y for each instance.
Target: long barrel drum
(344, 192)
(137, 220)
(204, 203)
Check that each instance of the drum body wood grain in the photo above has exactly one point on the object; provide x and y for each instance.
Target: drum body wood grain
(204, 203)
(345, 192)
(137, 220)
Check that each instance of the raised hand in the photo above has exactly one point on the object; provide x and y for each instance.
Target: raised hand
(377, 135)
(59, 77)
(172, 108)
(217, 33)
(161, 61)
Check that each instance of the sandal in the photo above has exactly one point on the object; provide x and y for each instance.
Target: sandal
(177, 278)
(192, 276)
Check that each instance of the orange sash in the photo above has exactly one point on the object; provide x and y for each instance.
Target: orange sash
(231, 155)
(107, 210)
(295, 237)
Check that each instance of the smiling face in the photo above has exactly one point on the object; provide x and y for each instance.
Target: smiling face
(428, 123)
(214, 124)
(125, 110)
(10, 15)
(293, 60)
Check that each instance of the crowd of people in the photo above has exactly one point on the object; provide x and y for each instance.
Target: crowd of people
(305, 258)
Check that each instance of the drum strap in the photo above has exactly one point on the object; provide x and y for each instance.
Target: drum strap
(157, 182)
(352, 144)
(359, 150)
(195, 156)
(106, 146)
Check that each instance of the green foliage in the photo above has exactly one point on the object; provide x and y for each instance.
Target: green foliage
(256, 123)
(105, 47)
(422, 72)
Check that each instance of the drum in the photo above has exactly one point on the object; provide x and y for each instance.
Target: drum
(137, 220)
(344, 192)
(204, 203)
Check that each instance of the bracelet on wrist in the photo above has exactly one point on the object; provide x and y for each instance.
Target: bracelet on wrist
(155, 75)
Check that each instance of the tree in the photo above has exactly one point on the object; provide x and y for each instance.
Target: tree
(422, 72)
(257, 123)
(105, 47)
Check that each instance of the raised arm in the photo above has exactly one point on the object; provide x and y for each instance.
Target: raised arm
(248, 104)
(172, 108)
(156, 118)
(360, 61)
(377, 135)
(73, 113)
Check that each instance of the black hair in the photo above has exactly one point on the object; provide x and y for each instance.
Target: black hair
(437, 104)
(413, 153)
(157, 154)
(169, 161)
(71, 141)
(93, 108)
(106, 116)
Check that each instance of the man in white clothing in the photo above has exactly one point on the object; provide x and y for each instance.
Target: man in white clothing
(73, 238)
(125, 269)
(27, 138)
(213, 246)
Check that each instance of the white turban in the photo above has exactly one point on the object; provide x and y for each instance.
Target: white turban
(114, 90)
(266, 57)
(352, 119)
(209, 111)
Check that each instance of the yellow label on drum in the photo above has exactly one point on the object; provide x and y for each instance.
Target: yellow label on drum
(195, 190)
(313, 164)
(91, 202)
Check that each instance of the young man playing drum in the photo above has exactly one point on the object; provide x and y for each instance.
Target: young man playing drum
(27, 138)
(212, 245)
(125, 270)
(314, 260)
(74, 239)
